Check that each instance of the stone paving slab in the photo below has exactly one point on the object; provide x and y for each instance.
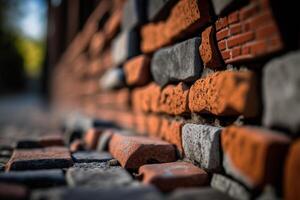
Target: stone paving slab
(34, 178)
(91, 156)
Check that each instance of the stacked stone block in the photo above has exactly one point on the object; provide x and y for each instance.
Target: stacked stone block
(213, 79)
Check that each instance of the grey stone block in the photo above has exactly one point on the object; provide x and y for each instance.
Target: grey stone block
(281, 92)
(201, 144)
(91, 156)
(198, 194)
(80, 193)
(125, 46)
(180, 62)
(35, 178)
(134, 14)
(103, 176)
(230, 187)
(156, 8)
(111, 79)
(221, 5)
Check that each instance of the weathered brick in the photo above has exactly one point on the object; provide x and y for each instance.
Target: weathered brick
(201, 144)
(46, 158)
(221, 23)
(281, 91)
(102, 176)
(169, 176)
(137, 70)
(180, 62)
(171, 132)
(174, 99)
(134, 151)
(225, 93)
(184, 18)
(230, 187)
(91, 138)
(291, 173)
(254, 156)
(209, 52)
(224, 33)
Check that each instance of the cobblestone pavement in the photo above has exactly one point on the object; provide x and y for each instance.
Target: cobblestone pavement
(41, 160)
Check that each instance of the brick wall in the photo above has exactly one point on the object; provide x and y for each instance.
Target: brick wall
(214, 78)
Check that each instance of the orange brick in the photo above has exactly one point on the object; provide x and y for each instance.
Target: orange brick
(174, 99)
(256, 155)
(209, 50)
(135, 151)
(169, 176)
(91, 138)
(137, 70)
(225, 93)
(291, 173)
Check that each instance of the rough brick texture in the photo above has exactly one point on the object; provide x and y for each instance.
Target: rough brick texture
(291, 173)
(178, 24)
(248, 33)
(254, 156)
(225, 93)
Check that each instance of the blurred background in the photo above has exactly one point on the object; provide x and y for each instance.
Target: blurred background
(33, 36)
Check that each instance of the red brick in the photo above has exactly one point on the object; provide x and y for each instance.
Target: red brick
(173, 134)
(275, 43)
(76, 145)
(246, 50)
(153, 125)
(235, 29)
(266, 31)
(226, 54)
(209, 50)
(155, 92)
(258, 48)
(221, 23)
(140, 123)
(169, 176)
(240, 39)
(261, 19)
(53, 139)
(174, 99)
(222, 45)
(112, 25)
(184, 18)
(236, 51)
(45, 158)
(135, 151)
(224, 33)
(248, 11)
(291, 173)
(13, 191)
(137, 70)
(91, 138)
(225, 93)
(256, 155)
(97, 44)
(233, 17)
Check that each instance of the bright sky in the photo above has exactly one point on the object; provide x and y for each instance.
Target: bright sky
(33, 23)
